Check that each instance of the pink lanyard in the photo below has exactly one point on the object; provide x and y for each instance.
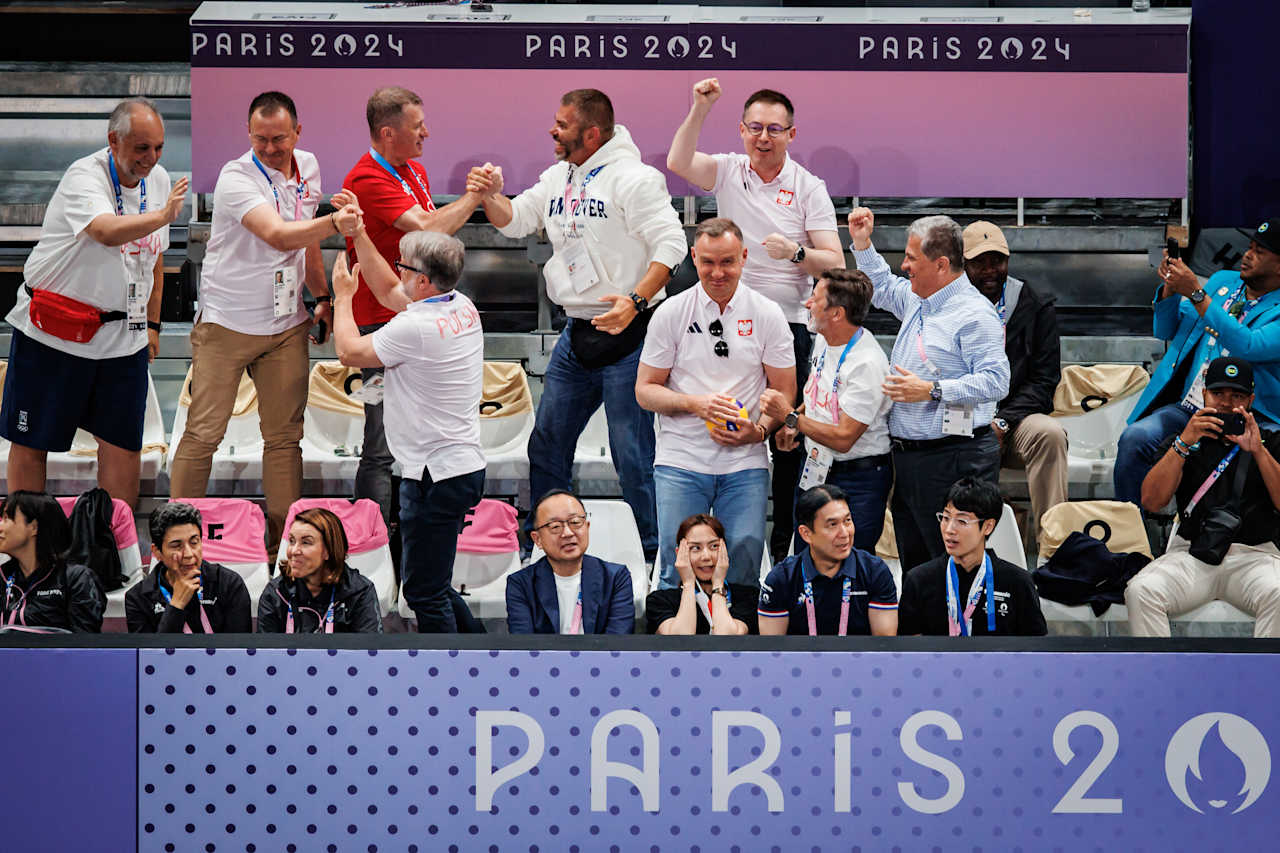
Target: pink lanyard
(1211, 479)
(576, 626)
(924, 356)
(21, 613)
(327, 619)
(845, 593)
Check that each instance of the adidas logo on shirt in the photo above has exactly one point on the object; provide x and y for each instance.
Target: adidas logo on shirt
(694, 328)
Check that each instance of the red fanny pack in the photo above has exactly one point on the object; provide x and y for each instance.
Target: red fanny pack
(67, 318)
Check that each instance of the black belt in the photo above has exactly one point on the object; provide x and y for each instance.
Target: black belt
(866, 463)
(901, 444)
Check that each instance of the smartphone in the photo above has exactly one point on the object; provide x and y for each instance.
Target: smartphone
(1171, 246)
(1232, 422)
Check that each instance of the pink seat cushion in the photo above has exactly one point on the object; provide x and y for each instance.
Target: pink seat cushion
(235, 530)
(361, 520)
(122, 526)
(490, 528)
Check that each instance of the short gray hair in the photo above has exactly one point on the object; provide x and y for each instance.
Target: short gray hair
(121, 121)
(940, 237)
(173, 514)
(437, 255)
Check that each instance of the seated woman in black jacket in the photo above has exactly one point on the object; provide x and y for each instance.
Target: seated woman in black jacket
(316, 591)
(41, 590)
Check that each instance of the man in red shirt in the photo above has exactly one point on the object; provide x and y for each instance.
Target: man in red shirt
(395, 196)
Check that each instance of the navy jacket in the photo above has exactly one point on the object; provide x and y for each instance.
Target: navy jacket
(607, 603)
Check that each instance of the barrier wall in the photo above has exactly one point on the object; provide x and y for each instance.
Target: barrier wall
(1031, 103)
(645, 748)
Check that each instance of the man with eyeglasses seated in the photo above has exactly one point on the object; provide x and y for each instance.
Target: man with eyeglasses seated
(568, 591)
(780, 206)
(710, 353)
(184, 594)
(831, 587)
(970, 591)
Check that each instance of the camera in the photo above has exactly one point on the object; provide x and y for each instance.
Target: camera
(1232, 422)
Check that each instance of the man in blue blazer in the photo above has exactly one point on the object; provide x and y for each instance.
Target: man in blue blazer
(568, 591)
(1234, 314)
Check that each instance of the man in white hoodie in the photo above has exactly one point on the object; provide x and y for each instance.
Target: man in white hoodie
(616, 239)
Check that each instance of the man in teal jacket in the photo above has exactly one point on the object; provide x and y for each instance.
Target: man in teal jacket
(1234, 314)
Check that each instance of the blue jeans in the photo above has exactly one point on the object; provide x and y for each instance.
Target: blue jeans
(1138, 447)
(570, 395)
(739, 500)
(431, 517)
(868, 493)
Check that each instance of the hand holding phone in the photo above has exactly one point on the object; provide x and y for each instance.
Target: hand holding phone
(1232, 422)
(1172, 248)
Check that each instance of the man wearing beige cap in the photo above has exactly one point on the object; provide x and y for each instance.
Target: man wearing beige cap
(1029, 438)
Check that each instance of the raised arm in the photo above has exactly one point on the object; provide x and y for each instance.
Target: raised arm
(110, 229)
(684, 159)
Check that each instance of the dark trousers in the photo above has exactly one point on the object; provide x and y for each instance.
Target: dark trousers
(373, 474)
(431, 517)
(922, 479)
(788, 464)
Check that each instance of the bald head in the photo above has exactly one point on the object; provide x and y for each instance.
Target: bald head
(123, 116)
(135, 133)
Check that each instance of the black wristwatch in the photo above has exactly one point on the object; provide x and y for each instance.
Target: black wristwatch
(152, 324)
(1198, 296)
(324, 297)
(798, 257)
(935, 393)
(792, 419)
(639, 301)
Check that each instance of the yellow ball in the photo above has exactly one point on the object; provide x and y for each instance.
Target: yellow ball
(742, 413)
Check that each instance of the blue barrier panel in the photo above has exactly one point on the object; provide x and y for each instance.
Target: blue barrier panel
(681, 750)
(70, 749)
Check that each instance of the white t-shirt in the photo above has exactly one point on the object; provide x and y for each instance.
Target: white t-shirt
(238, 276)
(679, 339)
(861, 395)
(70, 262)
(434, 355)
(792, 204)
(567, 597)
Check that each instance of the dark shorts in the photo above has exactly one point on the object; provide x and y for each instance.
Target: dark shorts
(48, 394)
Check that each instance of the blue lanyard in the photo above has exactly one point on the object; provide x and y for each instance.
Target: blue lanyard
(571, 212)
(953, 603)
(115, 185)
(1000, 304)
(390, 170)
(300, 188)
(822, 361)
(443, 297)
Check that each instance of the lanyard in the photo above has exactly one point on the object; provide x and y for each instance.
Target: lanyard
(570, 213)
(115, 185)
(704, 601)
(924, 356)
(576, 626)
(1000, 305)
(21, 613)
(835, 383)
(300, 187)
(204, 618)
(845, 593)
(1211, 479)
(443, 297)
(327, 620)
(404, 185)
(964, 627)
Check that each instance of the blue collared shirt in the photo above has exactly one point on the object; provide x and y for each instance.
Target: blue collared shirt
(962, 336)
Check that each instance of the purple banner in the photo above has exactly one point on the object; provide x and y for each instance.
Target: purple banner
(476, 750)
(827, 46)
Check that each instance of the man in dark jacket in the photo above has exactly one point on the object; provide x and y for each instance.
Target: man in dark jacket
(183, 593)
(1029, 438)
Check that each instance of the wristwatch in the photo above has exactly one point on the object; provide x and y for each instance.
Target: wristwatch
(798, 256)
(639, 301)
(935, 393)
(1198, 296)
(792, 419)
(152, 324)
(1001, 423)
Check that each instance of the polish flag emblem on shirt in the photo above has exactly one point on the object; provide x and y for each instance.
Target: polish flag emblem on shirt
(744, 328)
(785, 197)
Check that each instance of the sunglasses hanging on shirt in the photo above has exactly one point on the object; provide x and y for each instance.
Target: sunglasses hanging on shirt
(716, 328)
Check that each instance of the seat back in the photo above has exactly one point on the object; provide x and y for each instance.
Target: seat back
(594, 441)
(332, 419)
(123, 530)
(1093, 405)
(361, 521)
(234, 530)
(617, 540)
(1117, 523)
(506, 407)
(487, 539)
(244, 431)
(1005, 541)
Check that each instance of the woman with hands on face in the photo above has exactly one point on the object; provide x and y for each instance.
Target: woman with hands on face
(704, 603)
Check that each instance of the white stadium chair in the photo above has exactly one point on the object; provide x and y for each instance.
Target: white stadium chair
(616, 539)
(1005, 541)
(506, 420)
(332, 427)
(235, 532)
(237, 463)
(592, 459)
(368, 546)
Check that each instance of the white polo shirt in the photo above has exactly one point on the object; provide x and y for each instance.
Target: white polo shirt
(861, 394)
(679, 339)
(792, 204)
(70, 262)
(238, 275)
(434, 355)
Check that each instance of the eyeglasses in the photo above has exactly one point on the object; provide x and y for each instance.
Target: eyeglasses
(775, 130)
(556, 527)
(716, 328)
(401, 266)
(962, 523)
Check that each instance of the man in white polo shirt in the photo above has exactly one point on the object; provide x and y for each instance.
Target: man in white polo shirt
(789, 224)
(264, 247)
(709, 355)
(433, 352)
(87, 318)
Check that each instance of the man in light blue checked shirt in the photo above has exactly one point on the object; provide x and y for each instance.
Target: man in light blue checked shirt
(949, 372)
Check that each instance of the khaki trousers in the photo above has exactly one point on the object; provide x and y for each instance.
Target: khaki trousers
(278, 366)
(1248, 579)
(1039, 444)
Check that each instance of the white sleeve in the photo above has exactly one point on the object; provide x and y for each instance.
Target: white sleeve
(236, 193)
(861, 389)
(819, 212)
(527, 209)
(647, 210)
(660, 339)
(86, 195)
(779, 350)
(398, 341)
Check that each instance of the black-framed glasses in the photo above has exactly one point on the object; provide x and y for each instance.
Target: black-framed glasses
(556, 527)
(400, 266)
(716, 328)
(775, 130)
